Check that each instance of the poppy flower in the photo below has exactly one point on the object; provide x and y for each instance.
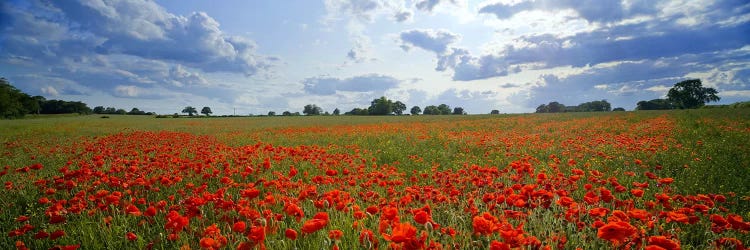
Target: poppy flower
(335, 234)
(290, 234)
(616, 231)
(239, 227)
(131, 236)
(663, 242)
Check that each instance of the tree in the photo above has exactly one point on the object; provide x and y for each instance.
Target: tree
(459, 111)
(189, 110)
(399, 107)
(495, 112)
(336, 111)
(134, 111)
(271, 113)
(444, 109)
(206, 111)
(312, 109)
(12, 101)
(357, 111)
(690, 94)
(99, 110)
(555, 107)
(655, 104)
(542, 109)
(594, 106)
(286, 113)
(380, 106)
(431, 110)
(618, 109)
(415, 110)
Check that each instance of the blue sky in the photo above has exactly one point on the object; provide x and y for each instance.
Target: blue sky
(260, 56)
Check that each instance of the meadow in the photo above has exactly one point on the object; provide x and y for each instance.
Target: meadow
(616, 180)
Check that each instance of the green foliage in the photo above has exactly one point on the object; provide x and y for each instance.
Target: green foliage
(336, 111)
(594, 106)
(312, 109)
(415, 110)
(495, 112)
(552, 107)
(381, 106)
(399, 107)
(459, 111)
(271, 113)
(12, 101)
(618, 109)
(190, 110)
(206, 111)
(444, 109)
(431, 110)
(690, 94)
(655, 104)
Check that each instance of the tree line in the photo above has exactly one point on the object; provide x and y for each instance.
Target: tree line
(16, 104)
(380, 106)
(688, 94)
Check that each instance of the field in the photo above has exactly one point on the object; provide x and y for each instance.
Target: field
(616, 180)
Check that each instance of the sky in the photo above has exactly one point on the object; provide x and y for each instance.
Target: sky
(252, 57)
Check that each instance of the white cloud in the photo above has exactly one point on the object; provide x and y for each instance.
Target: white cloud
(49, 90)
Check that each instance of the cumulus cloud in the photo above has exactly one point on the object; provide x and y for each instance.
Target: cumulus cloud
(431, 40)
(591, 10)
(429, 5)
(624, 83)
(359, 13)
(138, 28)
(325, 85)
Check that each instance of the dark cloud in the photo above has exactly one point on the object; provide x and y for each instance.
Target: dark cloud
(366, 83)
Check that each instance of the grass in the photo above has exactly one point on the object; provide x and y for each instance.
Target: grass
(450, 163)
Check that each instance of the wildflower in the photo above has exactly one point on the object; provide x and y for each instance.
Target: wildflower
(131, 236)
(616, 231)
(290, 234)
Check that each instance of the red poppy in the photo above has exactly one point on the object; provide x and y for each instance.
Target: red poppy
(239, 227)
(663, 242)
(290, 234)
(131, 236)
(335, 234)
(616, 231)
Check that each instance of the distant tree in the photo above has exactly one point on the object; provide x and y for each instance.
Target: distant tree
(110, 110)
(286, 113)
(136, 111)
(495, 112)
(380, 106)
(206, 111)
(655, 104)
(459, 111)
(618, 109)
(444, 109)
(312, 109)
(431, 110)
(415, 110)
(189, 110)
(357, 111)
(336, 111)
(690, 94)
(121, 112)
(399, 107)
(271, 113)
(542, 109)
(594, 106)
(555, 107)
(99, 110)
(12, 101)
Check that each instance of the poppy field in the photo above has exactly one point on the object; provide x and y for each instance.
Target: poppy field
(616, 180)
